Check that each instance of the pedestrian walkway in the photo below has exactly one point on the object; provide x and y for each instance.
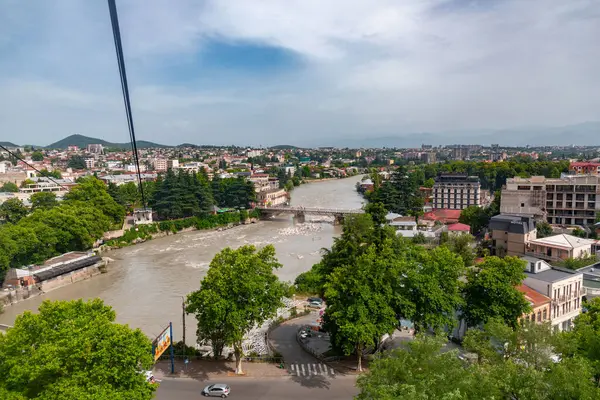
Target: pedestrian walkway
(310, 369)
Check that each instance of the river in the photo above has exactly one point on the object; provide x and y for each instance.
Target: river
(146, 282)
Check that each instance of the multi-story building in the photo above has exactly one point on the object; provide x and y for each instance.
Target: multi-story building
(585, 168)
(456, 191)
(272, 197)
(159, 164)
(461, 153)
(428, 157)
(90, 163)
(95, 148)
(511, 233)
(540, 305)
(172, 164)
(570, 200)
(564, 287)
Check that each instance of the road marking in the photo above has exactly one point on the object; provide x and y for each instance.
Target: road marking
(315, 368)
(323, 369)
(332, 372)
(292, 368)
(302, 369)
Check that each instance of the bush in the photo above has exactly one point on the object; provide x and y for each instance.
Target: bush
(308, 282)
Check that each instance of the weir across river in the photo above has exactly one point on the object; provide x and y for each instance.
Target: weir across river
(300, 213)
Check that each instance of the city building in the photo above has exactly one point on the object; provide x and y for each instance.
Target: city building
(540, 305)
(159, 164)
(272, 197)
(570, 200)
(95, 148)
(90, 163)
(461, 153)
(585, 168)
(511, 233)
(564, 287)
(456, 191)
(459, 229)
(254, 153)
(591, 280)
(559, 247)
(172, 164)
(428, 157)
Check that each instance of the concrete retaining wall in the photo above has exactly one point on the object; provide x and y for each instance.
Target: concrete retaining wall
(72, 277)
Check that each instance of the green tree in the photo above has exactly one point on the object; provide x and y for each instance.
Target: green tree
(490, 291)
(422, 371)
(429, 183)
(462, 244)
(433, 289)
(74, 350)
(93, 193)
(43, 200)
(9, 187)
(12, 210)
(544, 229)
(37, 156)
(76, 162)
(239, 291)
(52, 174)
(360, 298)
(476, 217)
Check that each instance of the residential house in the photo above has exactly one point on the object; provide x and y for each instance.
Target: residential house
(445, 216)
(564, 287)
(559, 247)
(591, 280)
(511, 233)
(272, 197)
(540, 305)
(459, 229)
(585, 168)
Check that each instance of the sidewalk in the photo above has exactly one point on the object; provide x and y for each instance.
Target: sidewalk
(204, 370)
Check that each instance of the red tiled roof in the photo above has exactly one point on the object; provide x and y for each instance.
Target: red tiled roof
(532, 296)
(442, 215)
(584, 164)
(458, 227)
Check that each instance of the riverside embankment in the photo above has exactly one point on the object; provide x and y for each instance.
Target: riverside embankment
(145, 283)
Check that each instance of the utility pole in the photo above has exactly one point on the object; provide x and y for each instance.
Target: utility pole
(183, 317)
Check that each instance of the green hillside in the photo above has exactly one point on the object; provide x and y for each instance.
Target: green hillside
(82, 142)
(8, 144)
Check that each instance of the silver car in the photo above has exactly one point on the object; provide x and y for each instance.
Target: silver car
(216, 390)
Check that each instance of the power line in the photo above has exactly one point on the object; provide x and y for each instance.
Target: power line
(114, 19)
(31, 166)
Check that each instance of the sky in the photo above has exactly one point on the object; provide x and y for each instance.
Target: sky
(303, 72)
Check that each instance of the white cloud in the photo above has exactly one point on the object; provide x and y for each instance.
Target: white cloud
(370, 67)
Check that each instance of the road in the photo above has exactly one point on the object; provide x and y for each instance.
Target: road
(288, 388)
(284, 340)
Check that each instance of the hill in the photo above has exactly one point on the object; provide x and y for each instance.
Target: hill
(82, 141)
(8, 144)
(284, 147)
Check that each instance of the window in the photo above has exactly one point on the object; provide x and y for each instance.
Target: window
(522, 204)
(545, 315)
(539, 316)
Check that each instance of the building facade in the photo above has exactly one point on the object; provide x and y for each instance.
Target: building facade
(540, 305)
(559, 247)
(585, 168)
(511, 233)
(456, 191)
(570, 200)
(564, 287)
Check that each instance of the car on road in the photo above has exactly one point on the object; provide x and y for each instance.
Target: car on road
(315, 300)
(315, 304)
(216, 390)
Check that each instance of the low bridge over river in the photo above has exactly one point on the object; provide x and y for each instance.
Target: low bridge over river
(301, 212)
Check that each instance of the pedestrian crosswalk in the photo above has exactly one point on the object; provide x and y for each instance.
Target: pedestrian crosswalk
(310, 369)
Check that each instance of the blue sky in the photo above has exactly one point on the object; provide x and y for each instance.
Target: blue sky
(306, 72)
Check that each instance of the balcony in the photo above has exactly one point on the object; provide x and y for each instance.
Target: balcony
(542, 256)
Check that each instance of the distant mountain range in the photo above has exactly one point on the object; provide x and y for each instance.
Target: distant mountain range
(584, 134)
(82, 142)
(8, 144)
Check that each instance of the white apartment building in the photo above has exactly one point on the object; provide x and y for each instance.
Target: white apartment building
(159, 164)
(272, 197)
(564, 287)
(254, 153)
(95, 148)
(171, 164)
(456, 191)
(570, 200)
(90, 163)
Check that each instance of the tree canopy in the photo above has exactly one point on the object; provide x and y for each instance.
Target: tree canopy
(74, 350)
(239, 291)
(490, 291)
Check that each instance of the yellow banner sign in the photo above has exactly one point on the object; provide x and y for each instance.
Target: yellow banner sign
(162, 343)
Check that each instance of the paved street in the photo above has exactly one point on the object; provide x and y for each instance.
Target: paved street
(289, 388)
(284, 340)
